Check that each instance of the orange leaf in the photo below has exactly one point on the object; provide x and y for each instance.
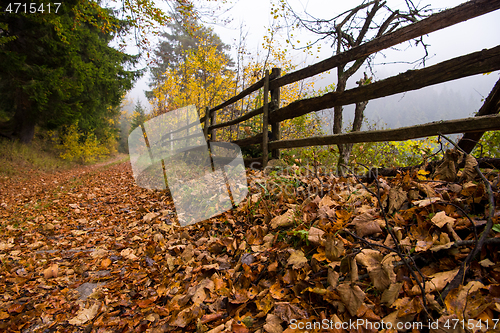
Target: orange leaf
(51, 272)
(15, 308)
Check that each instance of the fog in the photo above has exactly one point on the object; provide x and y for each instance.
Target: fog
(451, 100)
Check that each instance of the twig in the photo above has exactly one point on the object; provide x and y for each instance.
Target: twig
(463, 212)
(457, 280)
(398, 250)
(369, 243)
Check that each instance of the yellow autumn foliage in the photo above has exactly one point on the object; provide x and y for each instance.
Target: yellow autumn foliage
(204, 79)
(75, 146)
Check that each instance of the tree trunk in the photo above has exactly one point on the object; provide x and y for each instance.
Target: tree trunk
(346, 148)
(22, 125)
(491, 106)
(337, 118)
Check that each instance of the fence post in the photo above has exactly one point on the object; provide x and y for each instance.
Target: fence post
(265, 122)
(207, 122)
(275, 100)
(213, 118)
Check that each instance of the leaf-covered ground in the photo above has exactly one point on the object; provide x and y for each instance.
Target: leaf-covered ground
(87, 250)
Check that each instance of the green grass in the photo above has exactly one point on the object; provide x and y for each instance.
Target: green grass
(16, 158)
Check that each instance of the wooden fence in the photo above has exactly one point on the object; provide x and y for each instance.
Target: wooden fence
(484, 61)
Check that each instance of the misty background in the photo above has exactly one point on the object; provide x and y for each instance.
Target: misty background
(450, 100)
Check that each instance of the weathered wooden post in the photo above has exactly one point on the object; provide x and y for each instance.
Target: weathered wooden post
(213, 119)
(265, 121)
(275, 102)
(207, 122)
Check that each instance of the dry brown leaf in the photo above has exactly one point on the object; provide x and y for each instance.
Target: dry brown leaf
(438, 281)
(397, 197)
(366, 225)
(352, 296)
(188, 253)
(426, 202)
(277, 292)
(51, 272)
(150, 217)
(440, 219)
(391, 294)
(273, 324)
(239, 328)
(486, 263)
(265, 304)
(469, 172)
(447, 170)
(5, 246)
(444, 243)
(334, 248)
(84, 315)
(372, 260)
(326, 201)
(413, 307)
(297, 259)
(16, 308)
(183, 318)
(284, 220)
(315, 235)
(106, 263)
(333, 277)
(288, 311)
(466, 300)
(128, 253)
(217, 329)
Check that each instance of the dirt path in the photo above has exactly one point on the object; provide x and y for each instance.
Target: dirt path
(63, 234)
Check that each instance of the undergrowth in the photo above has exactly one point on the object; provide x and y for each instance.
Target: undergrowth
(17, 158)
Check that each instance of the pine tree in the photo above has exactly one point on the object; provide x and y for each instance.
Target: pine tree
(59, 71)
(185, 34)
(138, 117)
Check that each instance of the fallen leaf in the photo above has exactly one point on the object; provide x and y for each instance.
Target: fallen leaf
(426, 202)
(440, 219)
(183, 318)
(334, 248)
(372, 260)
(287, 311)
(16, 308)
(51, 272)
(352, 296)
(128, 253)
(105, 263)
(265, 304)
(315, 235)
(277, 292)
(469, 172)
(447, 170)
(397, 196)
(366, 225)
(284, 220)
(297, 259)
(273, 324)
(84, 315)
(391, 294)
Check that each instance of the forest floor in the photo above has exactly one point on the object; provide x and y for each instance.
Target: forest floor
(87, 250)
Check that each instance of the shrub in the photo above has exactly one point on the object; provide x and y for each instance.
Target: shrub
(83, 148)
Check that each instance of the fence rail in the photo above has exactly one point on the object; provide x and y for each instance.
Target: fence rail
(484, 61)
